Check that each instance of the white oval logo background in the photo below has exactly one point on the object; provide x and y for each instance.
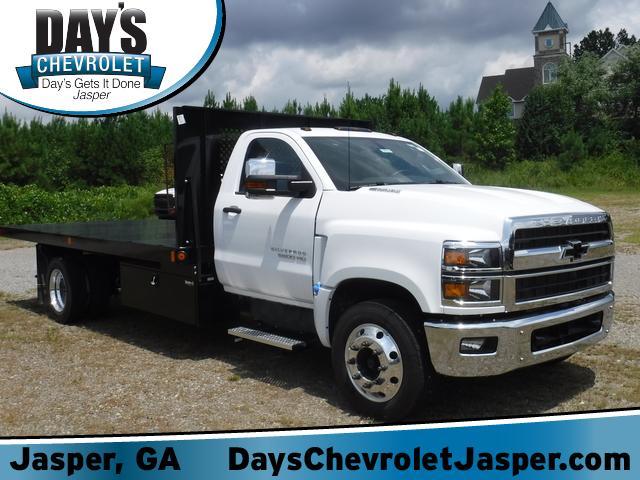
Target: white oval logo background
(182, 37)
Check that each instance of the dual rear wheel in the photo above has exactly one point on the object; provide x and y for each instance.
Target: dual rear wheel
(75, 288)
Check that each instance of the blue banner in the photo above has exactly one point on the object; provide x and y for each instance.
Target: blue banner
(117, 64)
(603, 446)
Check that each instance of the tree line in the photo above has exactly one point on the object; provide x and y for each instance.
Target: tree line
(127, 149)
(588, 112)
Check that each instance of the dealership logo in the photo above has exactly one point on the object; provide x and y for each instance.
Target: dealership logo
(93, 61)
(76, 53)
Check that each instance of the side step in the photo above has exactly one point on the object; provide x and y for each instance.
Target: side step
(267, 338)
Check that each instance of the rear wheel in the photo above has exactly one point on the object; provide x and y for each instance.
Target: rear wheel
(380, 358)
(67, 288)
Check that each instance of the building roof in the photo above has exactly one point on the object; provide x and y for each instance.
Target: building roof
(612, 54)
(617, 54)
(517, 83)
(550, 20)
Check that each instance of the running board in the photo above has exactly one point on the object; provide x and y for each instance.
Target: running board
(267, 338)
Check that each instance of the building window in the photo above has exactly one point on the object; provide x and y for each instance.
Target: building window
(549, 42)
(549, 73)
(512, 112)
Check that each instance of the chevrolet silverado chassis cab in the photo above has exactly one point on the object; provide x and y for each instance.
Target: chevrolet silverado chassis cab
(295, 230)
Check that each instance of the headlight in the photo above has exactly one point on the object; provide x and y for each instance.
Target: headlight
(466, 255)
(471, 273)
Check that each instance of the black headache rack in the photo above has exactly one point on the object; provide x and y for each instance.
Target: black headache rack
(204, 139)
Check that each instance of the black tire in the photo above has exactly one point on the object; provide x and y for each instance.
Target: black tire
(71, 305)
(100, 288)
(401, 323)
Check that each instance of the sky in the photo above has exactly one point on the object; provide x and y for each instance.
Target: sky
(278, 50)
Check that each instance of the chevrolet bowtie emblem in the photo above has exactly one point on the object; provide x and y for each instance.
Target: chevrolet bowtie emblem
(574, 250)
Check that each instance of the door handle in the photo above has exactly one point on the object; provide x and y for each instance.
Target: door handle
(233, 209)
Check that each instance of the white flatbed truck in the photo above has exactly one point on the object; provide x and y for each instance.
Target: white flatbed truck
(367, 243)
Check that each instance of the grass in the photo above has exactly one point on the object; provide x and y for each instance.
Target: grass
(611, 182)
(624, 207)
(612, 173)
(32, 204)
(11, 244)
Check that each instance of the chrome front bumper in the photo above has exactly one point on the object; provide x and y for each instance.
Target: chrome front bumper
(514, 340)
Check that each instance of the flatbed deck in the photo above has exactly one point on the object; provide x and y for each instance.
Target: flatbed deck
(148, 240)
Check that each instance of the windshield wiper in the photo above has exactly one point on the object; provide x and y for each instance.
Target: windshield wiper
(379, 184)
(364, 185)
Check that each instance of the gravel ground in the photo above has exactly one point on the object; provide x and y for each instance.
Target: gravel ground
(17, 275)
(132, 373)
(626, 331)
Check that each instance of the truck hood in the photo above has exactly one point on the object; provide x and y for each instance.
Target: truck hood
(456, 211)
(504, 202)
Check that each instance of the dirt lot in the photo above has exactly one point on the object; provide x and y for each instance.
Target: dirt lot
(135, 373)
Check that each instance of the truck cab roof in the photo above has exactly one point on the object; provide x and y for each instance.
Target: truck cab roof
(325, 132)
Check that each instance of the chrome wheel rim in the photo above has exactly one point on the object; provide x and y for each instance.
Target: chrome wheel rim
(373, 362)
(57, 290)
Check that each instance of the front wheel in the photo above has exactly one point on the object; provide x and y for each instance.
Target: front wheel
(380, 358)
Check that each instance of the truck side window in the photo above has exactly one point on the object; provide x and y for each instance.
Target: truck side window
(286, 159)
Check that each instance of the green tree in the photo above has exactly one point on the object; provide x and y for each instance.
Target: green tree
(459, 119)
(584, 84)
(210, 100)
(548, 113)
(322, 109)
(292, 107)
(573, 150)
(495, 135)
(250, 104)
(623, 38)
(599, 42)
(576, 103)
(348, 107)
(230, 103)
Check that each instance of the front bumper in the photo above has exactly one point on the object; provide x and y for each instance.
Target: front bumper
(514, 348)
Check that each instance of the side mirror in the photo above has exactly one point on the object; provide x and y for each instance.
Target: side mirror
(281, 185)
(459, 168)
(259, 166)
(261, 180)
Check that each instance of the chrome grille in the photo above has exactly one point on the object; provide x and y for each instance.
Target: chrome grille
(529, 238)
(561, 283)
(555, 259)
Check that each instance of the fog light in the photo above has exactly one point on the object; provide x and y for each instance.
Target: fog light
(479, 346)
(480, 290)
(455, 290)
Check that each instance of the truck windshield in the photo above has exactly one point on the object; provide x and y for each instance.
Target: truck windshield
(358, 162)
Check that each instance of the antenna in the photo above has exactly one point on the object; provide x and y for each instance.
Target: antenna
(348, 160)
(349, 138)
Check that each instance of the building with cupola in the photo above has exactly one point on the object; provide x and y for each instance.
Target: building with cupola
(550, 49)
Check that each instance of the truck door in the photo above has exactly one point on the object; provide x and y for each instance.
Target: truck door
(264, 244)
